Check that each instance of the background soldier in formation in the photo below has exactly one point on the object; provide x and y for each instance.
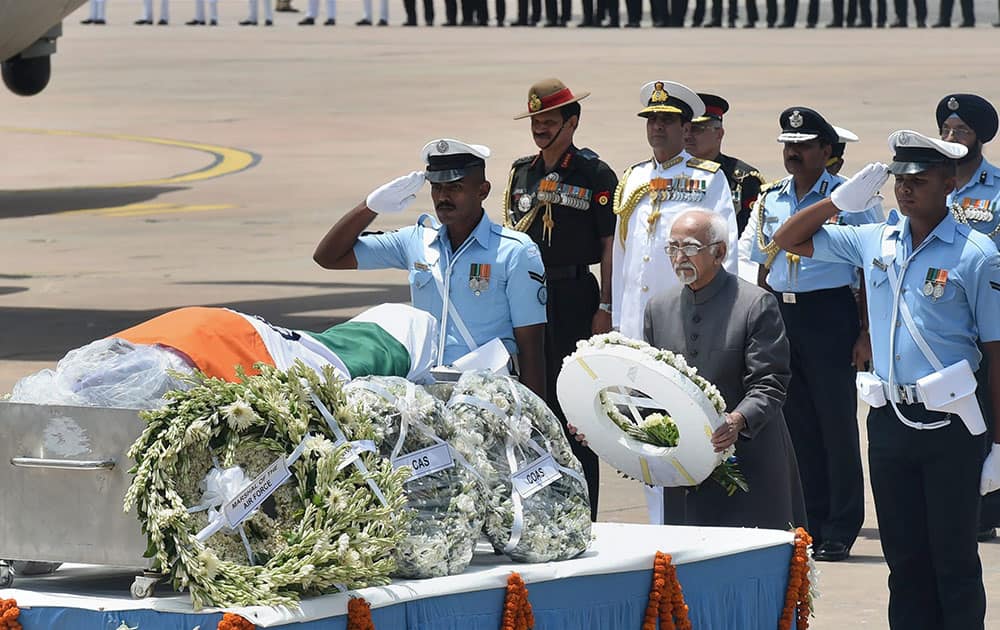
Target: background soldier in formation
(705, 141)
(561, 198)
(824, 329)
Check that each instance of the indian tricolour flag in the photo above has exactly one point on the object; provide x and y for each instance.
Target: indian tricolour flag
(386, 340)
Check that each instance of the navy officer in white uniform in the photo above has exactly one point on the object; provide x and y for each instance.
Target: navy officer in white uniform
(480, 280)
(933, 293)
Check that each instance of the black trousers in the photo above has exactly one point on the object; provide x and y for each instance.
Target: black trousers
(920, 7)
(634, 10)
(411, 11)
(451, 11)
(771, 17)
(731, 16)
(968, 11)
(522, 11)
(571, 306)
(821, 411)
(475, 12)
(926, 489)
(501, 8)
(791, 12)
(552, 15)
(838, 12)
(675, 15)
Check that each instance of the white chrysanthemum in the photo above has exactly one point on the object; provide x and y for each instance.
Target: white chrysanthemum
(465, 503)
(210, 561)
(239, 415)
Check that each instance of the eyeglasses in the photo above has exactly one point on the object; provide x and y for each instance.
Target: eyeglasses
(687, 250)
(957, 132)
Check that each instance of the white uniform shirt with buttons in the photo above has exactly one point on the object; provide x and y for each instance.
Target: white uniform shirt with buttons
(641, 267)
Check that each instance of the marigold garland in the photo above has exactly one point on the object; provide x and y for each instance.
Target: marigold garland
(9, 612)
(232, 621)
(359, 614)
(666, 598)
(798, 600)
(517, 613)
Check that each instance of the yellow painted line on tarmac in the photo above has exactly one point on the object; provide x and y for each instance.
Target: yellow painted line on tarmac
(142, 209)
(226, 160)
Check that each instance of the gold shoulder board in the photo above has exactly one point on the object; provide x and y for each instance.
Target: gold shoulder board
(705, 165)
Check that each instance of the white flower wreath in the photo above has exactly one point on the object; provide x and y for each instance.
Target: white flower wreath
(334, 524)
(514, 429)
(447, 503)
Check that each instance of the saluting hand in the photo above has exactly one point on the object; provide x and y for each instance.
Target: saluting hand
(861, 191)
(397, 195)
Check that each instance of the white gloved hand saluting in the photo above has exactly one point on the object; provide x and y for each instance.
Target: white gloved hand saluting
(397, 195)
(990, 480)
(861, 191)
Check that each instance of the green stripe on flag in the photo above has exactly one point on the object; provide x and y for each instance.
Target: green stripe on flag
(366, 349)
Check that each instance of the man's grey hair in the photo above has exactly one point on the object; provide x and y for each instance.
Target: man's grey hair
(718, 227)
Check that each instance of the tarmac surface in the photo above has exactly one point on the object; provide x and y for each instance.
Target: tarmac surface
(171, 166)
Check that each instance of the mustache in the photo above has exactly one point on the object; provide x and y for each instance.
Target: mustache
(444, 206)
(793, 158)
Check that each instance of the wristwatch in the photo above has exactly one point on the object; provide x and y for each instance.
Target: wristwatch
(605, 306)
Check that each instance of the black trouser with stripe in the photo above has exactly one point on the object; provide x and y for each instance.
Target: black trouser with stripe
(571, 306)
(821, 410)
(926, 488)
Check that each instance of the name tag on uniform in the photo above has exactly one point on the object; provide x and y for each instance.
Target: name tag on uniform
(788, 298)
(770, 219)
(419, 266)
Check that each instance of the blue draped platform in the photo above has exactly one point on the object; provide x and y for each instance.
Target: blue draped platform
(732, 579)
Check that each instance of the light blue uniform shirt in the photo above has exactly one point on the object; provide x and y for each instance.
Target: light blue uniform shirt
(982, 192)
(496, 278)
(969, 308)
(786, 276)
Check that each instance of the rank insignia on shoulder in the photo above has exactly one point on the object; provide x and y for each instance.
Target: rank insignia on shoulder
(537, 277)
(823, 187)
(705, 165)
(528, 159)
(995, 285)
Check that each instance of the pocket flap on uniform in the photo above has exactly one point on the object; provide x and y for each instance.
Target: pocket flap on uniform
(944, 387)
(420, 277)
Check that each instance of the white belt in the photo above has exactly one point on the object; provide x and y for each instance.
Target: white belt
(901, 394)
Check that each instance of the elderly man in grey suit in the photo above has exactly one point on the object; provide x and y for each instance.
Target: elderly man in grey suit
(732, 332)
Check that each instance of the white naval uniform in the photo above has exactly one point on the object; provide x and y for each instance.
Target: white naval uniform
(147, 10)
(641, 267)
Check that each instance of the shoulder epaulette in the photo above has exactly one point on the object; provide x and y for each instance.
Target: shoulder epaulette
(704, 165)
(587, 154)
(522, 161)
(771, 185)
(638, 164)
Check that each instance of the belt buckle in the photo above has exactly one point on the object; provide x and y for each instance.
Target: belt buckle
(904, 394)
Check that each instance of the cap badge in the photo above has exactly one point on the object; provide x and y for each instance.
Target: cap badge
(795, 120)
(659, 94)
(534, 103)
(953, 104)
(441, 146)
(903, 139)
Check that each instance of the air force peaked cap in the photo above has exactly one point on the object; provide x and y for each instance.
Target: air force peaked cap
(801, 124)
(447, 159)
(913, 152)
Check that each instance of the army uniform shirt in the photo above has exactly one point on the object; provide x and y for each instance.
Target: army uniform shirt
(744, 182)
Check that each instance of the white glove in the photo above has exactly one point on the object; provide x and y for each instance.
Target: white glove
(397, 195)
(990, 480)
(861, 191)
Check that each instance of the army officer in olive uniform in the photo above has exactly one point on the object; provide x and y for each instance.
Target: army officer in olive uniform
(561, 198)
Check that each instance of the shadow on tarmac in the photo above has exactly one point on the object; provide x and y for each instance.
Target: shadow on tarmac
(30, 203)
(46, 334)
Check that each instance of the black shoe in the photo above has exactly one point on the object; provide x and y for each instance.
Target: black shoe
(996, 25)
(835, 25)
(87, 21)
(307, 21)
(268, 23)
(99, 22)
(750, 25)
(586, 24)
(409, 23)
(632, 25)
(712, 25)
(921, 24)
(363, 22)
(770, 25)
(553, 25)
(143, 22)
(163, 23)
(967, 25)
(450, 24)
(248, 23)
(660, 24)
(832, 551)
(941, 25)
(987, 534)
(810, 25)
(866, 25)
(786, 25)
(288, 9)
(611, 25)
(898, 24)
(194, 23)
(383, 23)
(732, 25)
(515, 23)
(330, 22)
(213, 23)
